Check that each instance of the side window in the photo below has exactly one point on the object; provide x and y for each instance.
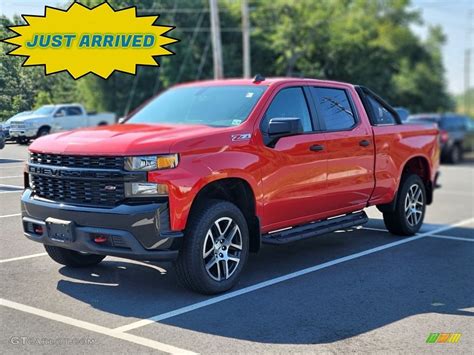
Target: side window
(289, 103)
(60, 112)
(334, 108)
(381, 114)
(73, 111)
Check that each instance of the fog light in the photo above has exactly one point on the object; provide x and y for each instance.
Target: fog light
(100, 239)
(145, 189)
(37, 229)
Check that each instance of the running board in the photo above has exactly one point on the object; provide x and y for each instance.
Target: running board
(315, 228)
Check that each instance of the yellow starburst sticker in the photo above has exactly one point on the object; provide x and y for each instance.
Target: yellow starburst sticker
(82, 40)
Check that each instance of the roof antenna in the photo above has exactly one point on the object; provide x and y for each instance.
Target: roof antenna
(258, 78)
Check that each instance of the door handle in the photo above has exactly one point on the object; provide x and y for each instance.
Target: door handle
(364, 143)
(316, 148)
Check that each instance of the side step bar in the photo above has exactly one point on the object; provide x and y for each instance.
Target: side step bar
(315, 228)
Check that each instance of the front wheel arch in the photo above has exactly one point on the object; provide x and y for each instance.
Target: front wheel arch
(239, 192)
(44, 128)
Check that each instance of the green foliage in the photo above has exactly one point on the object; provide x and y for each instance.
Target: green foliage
(367, 42)
(461, 103)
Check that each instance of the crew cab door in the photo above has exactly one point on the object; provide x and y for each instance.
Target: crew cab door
(294, 173)
(349, 150)
(70, 117)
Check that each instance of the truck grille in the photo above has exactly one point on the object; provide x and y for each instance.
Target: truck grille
(17, 125)
(84, 192)
(76, 161)
(81, 180)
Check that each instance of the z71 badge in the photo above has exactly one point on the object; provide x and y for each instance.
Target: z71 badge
(241, 137)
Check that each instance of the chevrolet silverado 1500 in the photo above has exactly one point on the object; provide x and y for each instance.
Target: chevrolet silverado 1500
(205, 172)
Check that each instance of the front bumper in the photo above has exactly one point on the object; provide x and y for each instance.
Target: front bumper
(139, 232)
(29, 133)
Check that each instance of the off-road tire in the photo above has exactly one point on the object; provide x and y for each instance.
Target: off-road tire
(397, 221)
(190, 265)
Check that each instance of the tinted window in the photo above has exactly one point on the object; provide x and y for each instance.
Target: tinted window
(73, 111)
(289, 103)
(453, 123)
(422, 119)
(334, 108)
(219, 106)
(381, 114)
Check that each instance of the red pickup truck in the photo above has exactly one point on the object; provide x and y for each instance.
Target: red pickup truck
(205, 172)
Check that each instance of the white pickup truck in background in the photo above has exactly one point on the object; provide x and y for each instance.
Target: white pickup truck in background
(54, 118)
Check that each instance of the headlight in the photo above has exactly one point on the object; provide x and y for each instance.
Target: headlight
(153, 162)
(145, 189)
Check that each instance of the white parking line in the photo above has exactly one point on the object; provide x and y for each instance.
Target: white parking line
(11, 192)
(94, 328)
(452, 238)
(22, 257)
(10, 177)
(280, 279)
(10, 215)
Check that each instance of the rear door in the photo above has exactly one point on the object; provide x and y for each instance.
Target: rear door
(350, 150)
(294, 175)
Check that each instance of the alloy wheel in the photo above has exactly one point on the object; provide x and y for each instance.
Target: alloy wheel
(414, 205)
(222, 249)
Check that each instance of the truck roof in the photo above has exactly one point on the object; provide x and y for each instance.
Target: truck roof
(251, 81)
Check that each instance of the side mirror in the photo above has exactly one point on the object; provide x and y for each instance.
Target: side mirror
(282, 127)
(59, 114)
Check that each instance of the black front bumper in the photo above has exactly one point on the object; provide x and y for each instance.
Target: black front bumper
(139, 232)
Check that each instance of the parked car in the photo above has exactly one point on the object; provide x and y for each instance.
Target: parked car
(206, 172)
(5, 126)
(457, 134)
(2, 140)
(55, 118)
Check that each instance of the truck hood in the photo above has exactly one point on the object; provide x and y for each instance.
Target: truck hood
(28, 118)
(120, 140)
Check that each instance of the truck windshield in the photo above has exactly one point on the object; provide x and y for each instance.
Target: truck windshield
(44, 110)
(218, 106)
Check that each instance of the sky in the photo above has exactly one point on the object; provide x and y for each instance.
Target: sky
(451, 15)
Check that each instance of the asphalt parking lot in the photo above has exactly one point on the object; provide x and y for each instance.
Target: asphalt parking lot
(361, 290)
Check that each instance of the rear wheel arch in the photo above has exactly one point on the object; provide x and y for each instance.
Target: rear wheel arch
(418, 165)
(239, 192)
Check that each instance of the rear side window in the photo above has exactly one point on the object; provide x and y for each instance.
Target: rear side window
(380, 114)
(73, 111)
(289, 102)
(453, 123)
(334, 108)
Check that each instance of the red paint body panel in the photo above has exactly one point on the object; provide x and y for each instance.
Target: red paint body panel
(291, 184)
